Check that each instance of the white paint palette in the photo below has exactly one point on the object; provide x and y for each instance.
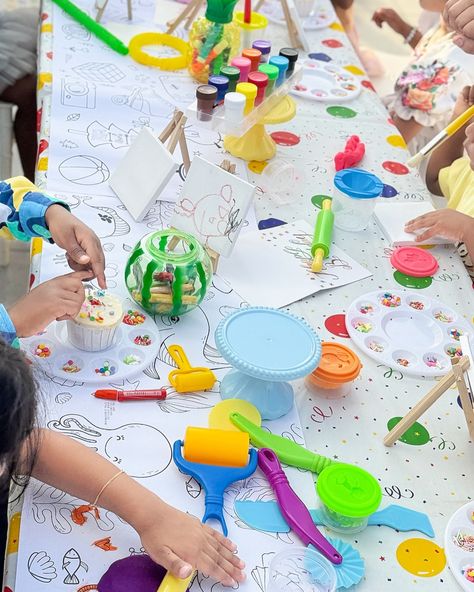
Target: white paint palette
(319, 18)
(405, 330)
(129, 356)
(459, 546)
(326, 83)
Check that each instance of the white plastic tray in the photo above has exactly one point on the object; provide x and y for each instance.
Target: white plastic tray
(326, 83)
(56, 338)
(415, 336)
(459, 544)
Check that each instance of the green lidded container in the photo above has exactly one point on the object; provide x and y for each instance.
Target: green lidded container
(168, 272)
(349, 495)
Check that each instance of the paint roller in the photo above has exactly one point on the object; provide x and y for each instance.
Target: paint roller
(186, 378)
(215, 458)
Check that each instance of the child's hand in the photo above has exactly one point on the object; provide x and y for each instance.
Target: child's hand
(82, 245)
(469, 143)
(393, 20)
(182, 544)
(464, 101)
(60, 298)
(445, 223)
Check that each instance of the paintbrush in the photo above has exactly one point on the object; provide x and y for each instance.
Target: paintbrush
(443, 135)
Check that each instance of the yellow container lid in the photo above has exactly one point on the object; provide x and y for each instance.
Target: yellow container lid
(257, 20)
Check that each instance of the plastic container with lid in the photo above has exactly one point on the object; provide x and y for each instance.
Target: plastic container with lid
(250, 32)
(272, 72)
(249, 90)
(292, 55)
(243, 64)
(261, 82)
(234, 105)
(233, 74)
(355, 192)
(301, 569)
(264, 47)
(348, 496)
(282, 64)
(222, 85)
(254, 56)
(338, 367)
(206, 95)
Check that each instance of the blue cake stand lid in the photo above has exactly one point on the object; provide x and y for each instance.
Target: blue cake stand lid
(269, 344)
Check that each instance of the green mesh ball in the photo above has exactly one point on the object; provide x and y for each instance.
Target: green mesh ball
(168, 272)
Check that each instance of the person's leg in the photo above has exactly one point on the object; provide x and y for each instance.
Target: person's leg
(23, 95)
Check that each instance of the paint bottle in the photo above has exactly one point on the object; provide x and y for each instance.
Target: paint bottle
(261, 82)
(234, 106)
(233, 74)
(254, 56)
(243, 64)
(272, 72)
(250, 91)
(222, 85)
(264, 47)
(282, 64)
(292, 55)
(206, 95)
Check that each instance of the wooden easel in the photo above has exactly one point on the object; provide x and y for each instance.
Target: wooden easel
(102, 4)
(295, 40)
(189, 13)
(454, 376)
(174, 133)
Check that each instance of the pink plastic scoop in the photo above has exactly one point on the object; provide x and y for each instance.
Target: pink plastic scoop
(293, 509)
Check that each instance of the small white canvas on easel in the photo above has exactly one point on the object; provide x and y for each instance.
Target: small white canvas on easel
(212, 206)
(142, 174)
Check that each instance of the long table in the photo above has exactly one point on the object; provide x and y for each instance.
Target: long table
(434, 477)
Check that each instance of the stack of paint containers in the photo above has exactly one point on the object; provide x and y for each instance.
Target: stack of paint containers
(246, 82)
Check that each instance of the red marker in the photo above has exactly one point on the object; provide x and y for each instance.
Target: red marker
(148, 395)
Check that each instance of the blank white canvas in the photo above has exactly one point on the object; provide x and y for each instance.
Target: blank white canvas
(212, 206)
(142, 174)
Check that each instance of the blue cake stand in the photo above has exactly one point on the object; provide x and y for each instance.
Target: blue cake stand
(266, 347)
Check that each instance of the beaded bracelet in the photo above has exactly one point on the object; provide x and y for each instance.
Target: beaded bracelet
(173, 63)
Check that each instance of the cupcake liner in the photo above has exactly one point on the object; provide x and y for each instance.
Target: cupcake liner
(92, 339)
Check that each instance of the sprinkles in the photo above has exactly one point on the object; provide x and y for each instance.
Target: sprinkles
(106, 369)
(134, 317)
(42, 351)
(417, 305)
(391, 300)
(131, 360)
(403, 362)
(433, 362)
(456, 334)
(464, 541)
(366, 309)
(454, 351)
(442, 317)
(376, 347)
(142, 340)
(468, 573)
(362, 327)
(71, 367)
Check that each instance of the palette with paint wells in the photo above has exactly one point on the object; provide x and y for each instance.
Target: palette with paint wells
(326, 83)
(459, 546)
(135, 349)
(319, 18)
(415, 334)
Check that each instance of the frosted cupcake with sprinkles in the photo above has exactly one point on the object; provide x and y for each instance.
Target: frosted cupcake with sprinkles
(96, 326)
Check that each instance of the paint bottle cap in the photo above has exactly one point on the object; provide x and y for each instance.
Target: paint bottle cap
(338, 364)
(349, 490)
(235, 101)
(258, 78)
(220, 82)
(231, 72)
(271, 71)
(280, 62)
(414, 261)
(243, 64)
(264, 47)
(206, 92)
(254, 56)
(289, 53)
(248, 89)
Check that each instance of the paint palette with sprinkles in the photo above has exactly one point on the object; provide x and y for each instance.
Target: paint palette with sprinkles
(135, 349)
(326, 83)
(459, 546)
(415, 334)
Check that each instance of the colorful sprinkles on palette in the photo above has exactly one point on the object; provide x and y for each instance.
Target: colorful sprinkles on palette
(459, 546)
(415, 334)
(326, 83)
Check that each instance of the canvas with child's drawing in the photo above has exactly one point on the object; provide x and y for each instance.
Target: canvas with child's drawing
(213, 206)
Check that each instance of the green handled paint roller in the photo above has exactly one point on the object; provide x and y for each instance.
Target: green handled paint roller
(287, 451)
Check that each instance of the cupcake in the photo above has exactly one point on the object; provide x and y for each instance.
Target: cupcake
(96, 326)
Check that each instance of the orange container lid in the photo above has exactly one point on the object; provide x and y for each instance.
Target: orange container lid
(338, 364)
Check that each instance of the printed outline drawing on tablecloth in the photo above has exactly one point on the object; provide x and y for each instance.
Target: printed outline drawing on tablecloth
(72, 563)
(159, 215)
(62, 398)
(100, 72)
(73, 117)
(68, 144)
(114, 443)
(75, 31)
(87, 164)
(78, 93)
(98, 134)
(260, 572)
(53, 506)
(207, 584)
(41, 567)
(178, 85)
(120, 226)
(137, 101)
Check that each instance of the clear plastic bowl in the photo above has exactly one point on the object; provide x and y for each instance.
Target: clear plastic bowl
(301, 570)
(280, 180)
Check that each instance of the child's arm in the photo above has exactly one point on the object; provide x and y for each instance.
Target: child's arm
(177, 541)
(469, 143)
(408, 128)
(452, 148)
(395, 22)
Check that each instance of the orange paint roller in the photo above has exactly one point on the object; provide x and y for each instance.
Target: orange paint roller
(215, 458)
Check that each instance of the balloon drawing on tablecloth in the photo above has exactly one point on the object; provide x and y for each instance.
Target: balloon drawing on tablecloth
(84, 170)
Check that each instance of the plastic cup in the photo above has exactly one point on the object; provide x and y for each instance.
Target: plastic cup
(301, 569)
(355, 193)
(338, 367)
(281, 179)
(348, 496)
(252, 31)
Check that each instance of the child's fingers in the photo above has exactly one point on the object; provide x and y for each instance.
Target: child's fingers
(221, 539)
(429, 233)
(220, 568)
(471, 95)
(174, 564)
(421, 222)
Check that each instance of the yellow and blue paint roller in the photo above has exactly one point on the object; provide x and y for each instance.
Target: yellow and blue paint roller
(215, 458)
(322, 235)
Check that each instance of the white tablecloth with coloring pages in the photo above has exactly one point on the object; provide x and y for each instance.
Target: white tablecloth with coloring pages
(435, 477)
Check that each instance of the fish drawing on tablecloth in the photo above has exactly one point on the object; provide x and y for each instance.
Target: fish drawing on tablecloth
(71, 565)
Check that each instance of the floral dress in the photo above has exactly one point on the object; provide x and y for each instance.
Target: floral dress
(428, 87)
